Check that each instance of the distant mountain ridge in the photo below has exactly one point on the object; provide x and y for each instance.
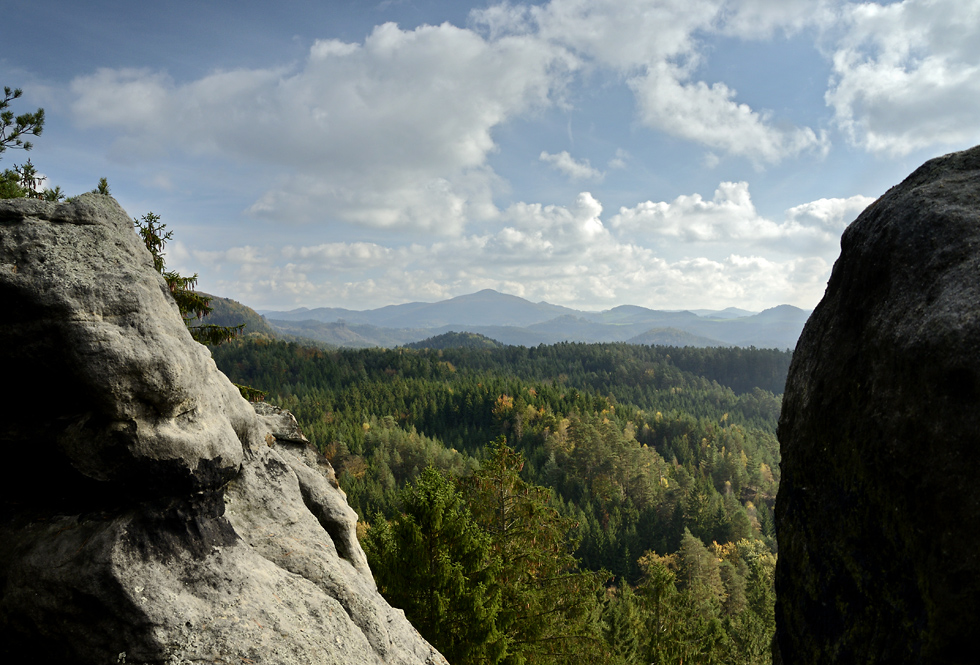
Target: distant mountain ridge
(513, 320)
(483, 308)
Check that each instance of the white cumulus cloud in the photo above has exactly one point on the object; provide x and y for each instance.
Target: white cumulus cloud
(654, 44)
(907, 75)
(709, 115)
(393, 132)
(571, 167)
(731, 217)
(763, 19)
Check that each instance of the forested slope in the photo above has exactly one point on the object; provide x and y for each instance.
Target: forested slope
(659, 467)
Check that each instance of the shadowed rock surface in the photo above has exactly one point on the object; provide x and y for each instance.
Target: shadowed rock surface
(878, 513)
(150, 515)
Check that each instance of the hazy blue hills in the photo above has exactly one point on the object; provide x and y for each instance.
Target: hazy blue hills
(671, 337)
(342, 333)
(484, 308)
(727, 313)
(512, 320)
(632, 314)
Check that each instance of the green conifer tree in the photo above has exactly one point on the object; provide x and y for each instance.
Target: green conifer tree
(550, 610)
(14, 182)
(625, 629)
(435, 562)
(13, 128)
(192, 305)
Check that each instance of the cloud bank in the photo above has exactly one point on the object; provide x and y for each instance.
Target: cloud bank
(398, 133)
(568, 255)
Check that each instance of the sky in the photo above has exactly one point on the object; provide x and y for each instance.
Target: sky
(672, 154)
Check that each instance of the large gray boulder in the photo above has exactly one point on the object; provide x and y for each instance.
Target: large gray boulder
(878, 513)
(149, 514)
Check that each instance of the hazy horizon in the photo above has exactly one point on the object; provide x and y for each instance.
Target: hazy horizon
(695, 310)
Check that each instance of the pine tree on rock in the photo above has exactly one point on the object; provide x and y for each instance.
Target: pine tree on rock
(13, 128)
(192, 305)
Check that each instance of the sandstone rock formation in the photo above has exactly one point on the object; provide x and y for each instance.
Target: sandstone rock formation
(150, 515)
(878, 513)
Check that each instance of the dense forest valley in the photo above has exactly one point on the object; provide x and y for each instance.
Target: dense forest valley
(567, 503)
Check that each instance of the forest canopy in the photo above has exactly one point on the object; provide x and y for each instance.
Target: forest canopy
(624, 491)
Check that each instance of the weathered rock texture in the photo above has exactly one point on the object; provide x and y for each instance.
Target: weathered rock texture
(150, 515)
(878, 513)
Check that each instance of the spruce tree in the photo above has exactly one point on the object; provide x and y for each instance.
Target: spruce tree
(550, 608)
(192, 305)
(624, 625)
(434, 562)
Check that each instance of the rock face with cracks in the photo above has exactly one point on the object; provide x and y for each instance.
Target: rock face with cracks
(878, 514)
(150, 515)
